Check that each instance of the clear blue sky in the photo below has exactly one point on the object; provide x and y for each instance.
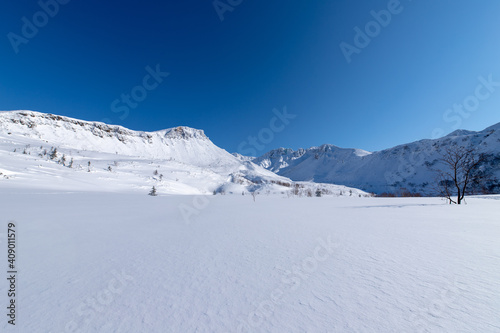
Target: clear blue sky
(227, 76)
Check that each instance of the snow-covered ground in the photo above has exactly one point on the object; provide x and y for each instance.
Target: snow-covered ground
(128, 262)
(95, 253)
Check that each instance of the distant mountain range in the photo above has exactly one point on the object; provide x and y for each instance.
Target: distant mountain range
(183, 160)
(408, 166)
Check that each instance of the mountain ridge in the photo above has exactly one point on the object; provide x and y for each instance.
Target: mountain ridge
(405, 166)
(47, 150)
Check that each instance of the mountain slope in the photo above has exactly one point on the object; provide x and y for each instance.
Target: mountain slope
(39, 150)
(104, 157)
(406, 166)
(184, 144)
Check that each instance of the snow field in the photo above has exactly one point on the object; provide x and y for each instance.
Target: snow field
(110, 262)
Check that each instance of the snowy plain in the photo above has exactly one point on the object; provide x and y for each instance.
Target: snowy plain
(95, 253)
(128, 262)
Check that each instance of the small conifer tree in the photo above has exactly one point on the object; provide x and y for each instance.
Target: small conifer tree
(153, 192)
(53, 154)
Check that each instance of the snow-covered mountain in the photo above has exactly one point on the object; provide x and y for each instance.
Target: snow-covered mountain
(407, 166)
(182, 160)
(45, 150)
(183, 144)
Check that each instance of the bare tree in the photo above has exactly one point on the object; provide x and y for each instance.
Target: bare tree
(459, 172)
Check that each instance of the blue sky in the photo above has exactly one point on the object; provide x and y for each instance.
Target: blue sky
(226, 77)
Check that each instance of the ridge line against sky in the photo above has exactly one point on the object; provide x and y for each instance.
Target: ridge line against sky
(369, 74)
(252, 148)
